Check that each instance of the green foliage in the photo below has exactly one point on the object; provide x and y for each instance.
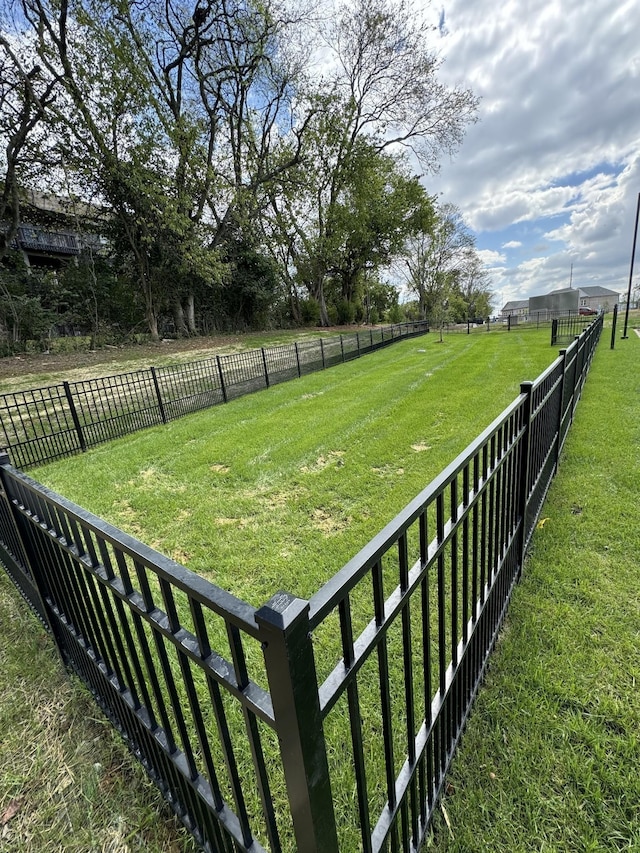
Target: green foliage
(250, 285)
(394, 315)
(346, 312)
(310, 311)
(190, 128)
(442, 268)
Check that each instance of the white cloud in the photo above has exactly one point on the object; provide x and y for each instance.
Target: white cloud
(557, 137)
(491, 258)
(512, 244)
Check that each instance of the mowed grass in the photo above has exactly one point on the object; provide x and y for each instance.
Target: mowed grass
(279, 489)
(47, 814)
(67, 782)
(550, 760)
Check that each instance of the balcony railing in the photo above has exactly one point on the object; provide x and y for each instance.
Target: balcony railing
(34, 238)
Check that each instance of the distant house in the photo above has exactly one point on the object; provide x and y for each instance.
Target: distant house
(598, 298)
(561, 302)
(516, 308)
(53, 231)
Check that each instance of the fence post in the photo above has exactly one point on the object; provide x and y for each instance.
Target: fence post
(293, 685)
(221, 375)
(322, 354)
(525, 462)
(563, 355)
(358, 343)
(297, 359)
(156, 385)
(554, 332)
(266, 369)
(74, 416)
(613, 326)
(342, 347)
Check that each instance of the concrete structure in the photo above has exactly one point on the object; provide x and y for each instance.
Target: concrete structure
(54, 231)
(561, 302)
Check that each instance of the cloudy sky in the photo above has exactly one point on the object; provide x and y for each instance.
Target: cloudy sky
(550, 174)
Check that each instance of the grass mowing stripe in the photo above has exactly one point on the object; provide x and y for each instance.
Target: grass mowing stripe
(549, 761)
(281, 488)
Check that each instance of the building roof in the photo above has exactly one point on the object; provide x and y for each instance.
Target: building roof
(516, 304)
(596, 290)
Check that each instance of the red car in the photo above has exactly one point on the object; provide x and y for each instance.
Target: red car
(587, 312)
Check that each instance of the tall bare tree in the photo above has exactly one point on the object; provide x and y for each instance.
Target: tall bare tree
(382, 93)
(175, 114)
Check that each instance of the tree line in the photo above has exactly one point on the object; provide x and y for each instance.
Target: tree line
(251, 162)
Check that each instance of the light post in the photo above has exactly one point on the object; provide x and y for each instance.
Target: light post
(633, 252)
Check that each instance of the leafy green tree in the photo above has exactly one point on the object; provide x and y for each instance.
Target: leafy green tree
(434, 258)
(196, 124)
(382, 94)
(172, 116)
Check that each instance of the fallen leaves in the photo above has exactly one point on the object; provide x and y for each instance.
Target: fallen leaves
(11, 811)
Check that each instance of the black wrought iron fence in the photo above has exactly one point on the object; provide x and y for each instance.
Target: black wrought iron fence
(565, 329)
(251, 721)
(42, 424)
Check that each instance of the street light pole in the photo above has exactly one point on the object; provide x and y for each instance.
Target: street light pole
(633, 252)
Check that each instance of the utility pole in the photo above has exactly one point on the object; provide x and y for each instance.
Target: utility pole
(633, 252)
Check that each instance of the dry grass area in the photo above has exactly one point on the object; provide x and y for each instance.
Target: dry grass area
(29, 370)
(67, 782)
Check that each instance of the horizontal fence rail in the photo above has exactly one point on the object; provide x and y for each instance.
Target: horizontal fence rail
(544, 318)
(565, 329)
(249, 720)
(43, 424)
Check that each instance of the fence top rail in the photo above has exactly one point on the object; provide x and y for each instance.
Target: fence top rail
(131, 375)
(548, 372)
(179, 365)
(338, 587)
(185, 365)
(57, 388)
(223, 603)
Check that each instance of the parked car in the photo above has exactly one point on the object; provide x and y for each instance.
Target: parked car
(587, 312)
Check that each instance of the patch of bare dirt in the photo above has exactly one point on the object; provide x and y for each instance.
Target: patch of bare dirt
(88, 364)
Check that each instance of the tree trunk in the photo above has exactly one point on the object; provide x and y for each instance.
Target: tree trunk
(294, 302)
(191, 315)
(324, 315)
(178, 316)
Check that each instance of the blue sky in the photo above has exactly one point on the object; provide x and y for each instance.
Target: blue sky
(549, 176)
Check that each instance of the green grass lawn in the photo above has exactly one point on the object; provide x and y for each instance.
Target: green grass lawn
(550, 760)
(279, 489)
(295, 480)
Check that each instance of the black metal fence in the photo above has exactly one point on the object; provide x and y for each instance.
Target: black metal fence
(535, 320)
(259, 725)
(565, 329)
(43, 424)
